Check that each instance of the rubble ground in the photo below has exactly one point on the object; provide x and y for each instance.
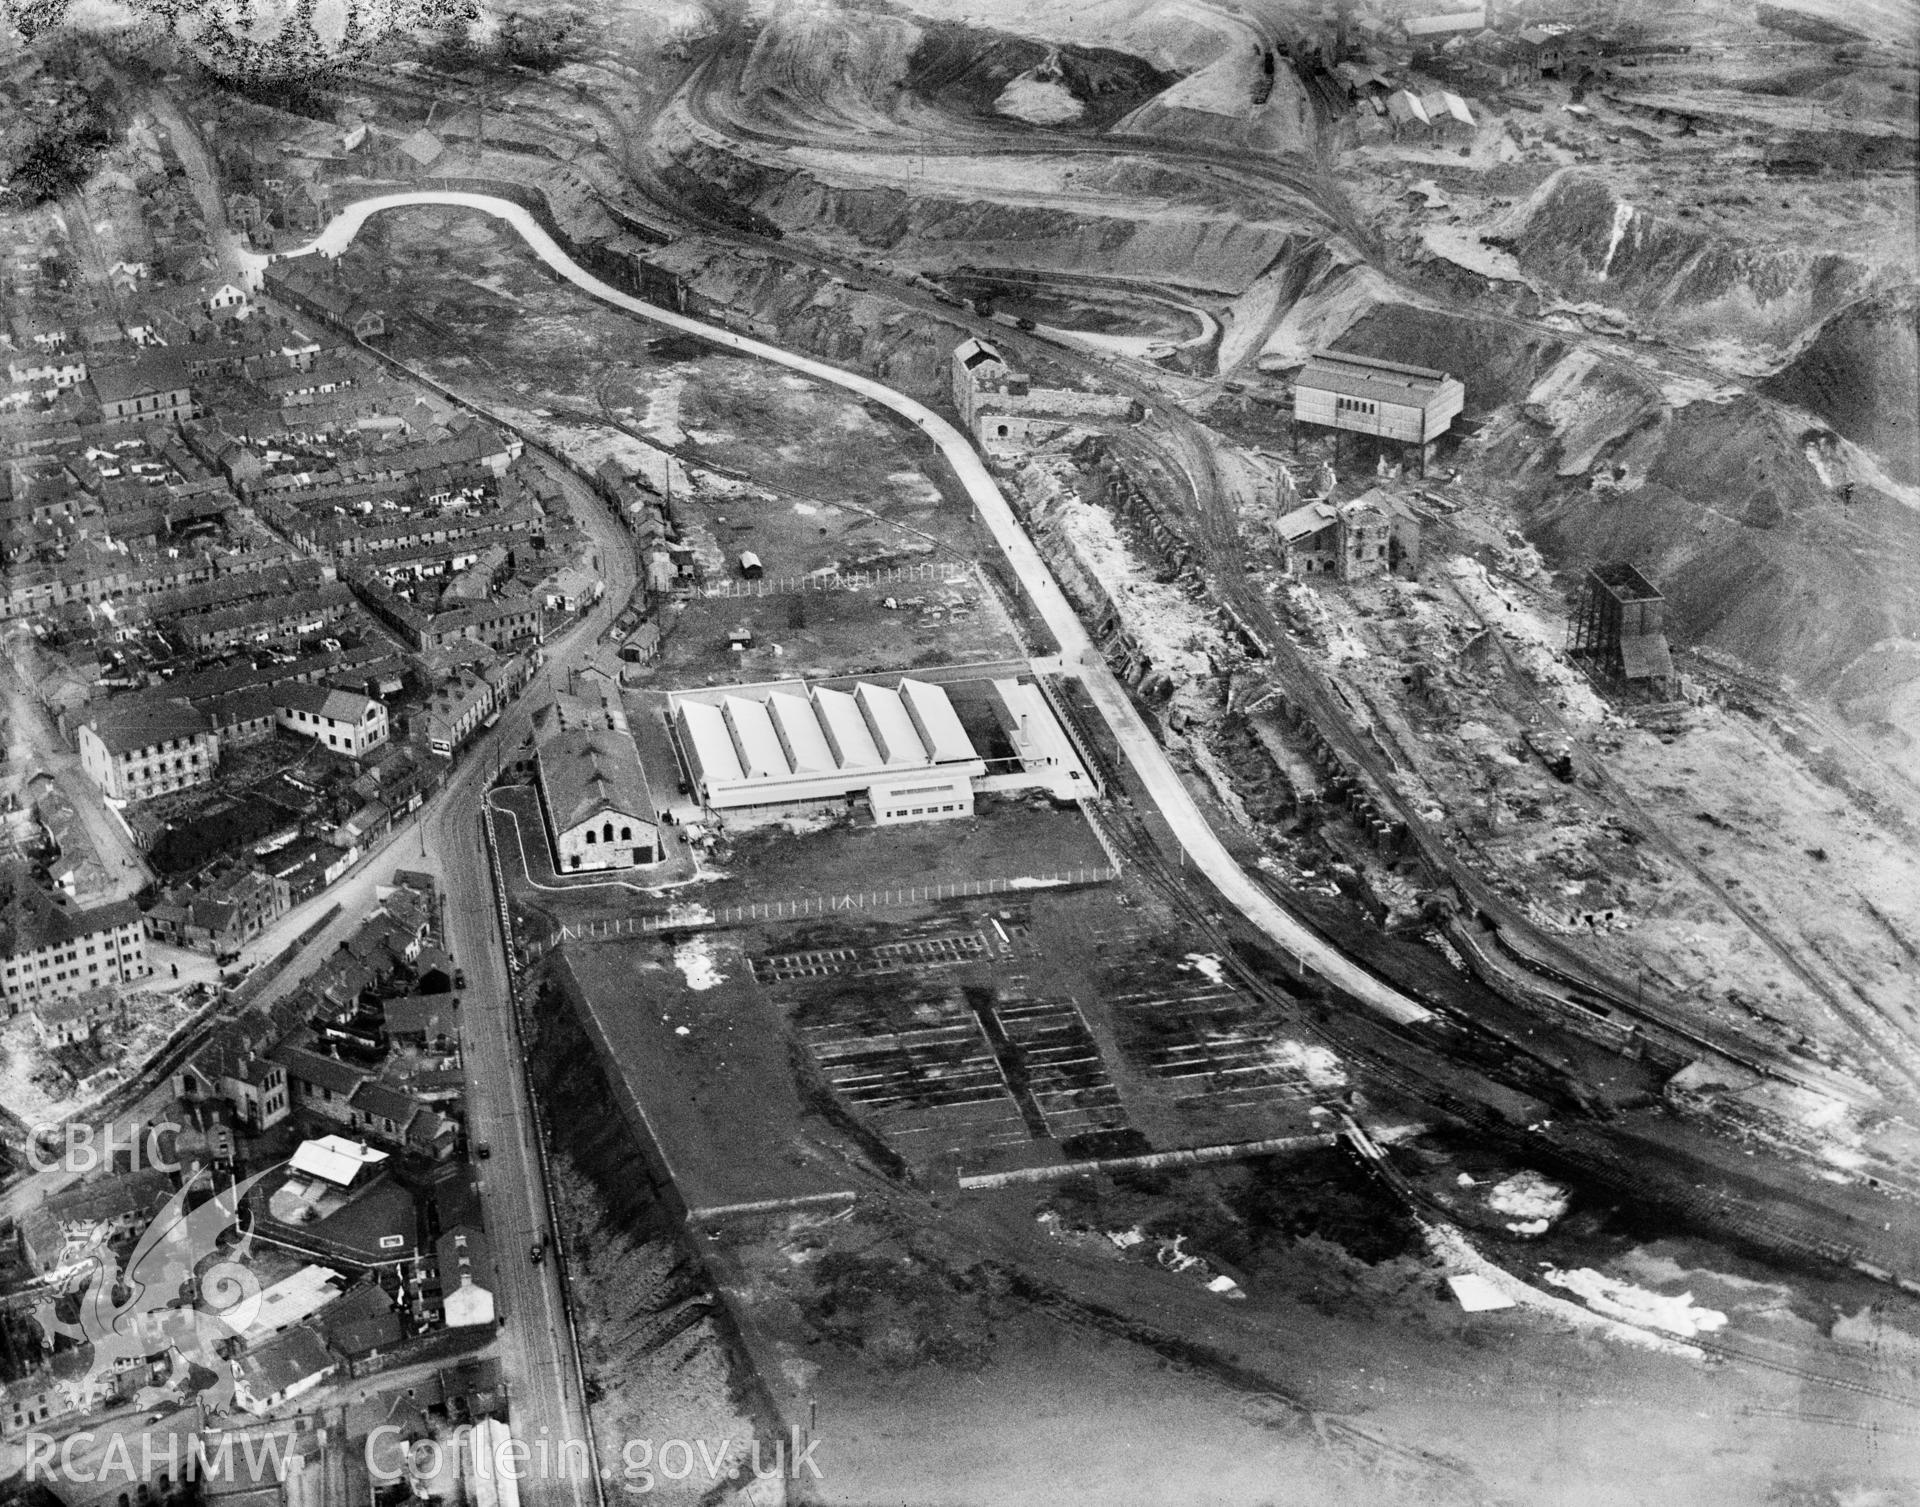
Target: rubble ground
(817, 634)
(43, 1085)
(982, 1310)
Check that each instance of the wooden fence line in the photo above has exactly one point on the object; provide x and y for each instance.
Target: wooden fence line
(942, 572)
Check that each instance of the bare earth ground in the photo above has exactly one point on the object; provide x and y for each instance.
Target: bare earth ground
(1029, 1405)
(946, 1385)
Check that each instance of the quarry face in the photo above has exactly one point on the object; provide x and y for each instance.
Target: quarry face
(1273, 654)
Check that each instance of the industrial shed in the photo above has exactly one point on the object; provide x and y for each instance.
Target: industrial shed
(901, 746)
(1410, 405)
(597, 804)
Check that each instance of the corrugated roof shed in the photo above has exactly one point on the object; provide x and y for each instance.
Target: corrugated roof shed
(1304, 523)
(892, 728)
(703, 730)
(936, 722)
(761, 757)
(1444, 105)
(1405, 107)
(1364, 377)
(800, 733)
(846, 730)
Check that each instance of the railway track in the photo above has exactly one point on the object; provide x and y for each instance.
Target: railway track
(1655, 831)
(1190, 459)
(1714, 1213)
(1423, 1207)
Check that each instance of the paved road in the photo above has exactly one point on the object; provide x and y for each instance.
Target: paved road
(536, 1344)
(1080, 655)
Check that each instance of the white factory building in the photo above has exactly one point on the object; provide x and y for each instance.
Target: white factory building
(901, 747)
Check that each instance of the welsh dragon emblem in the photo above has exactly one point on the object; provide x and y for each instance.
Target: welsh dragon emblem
(182, 1294)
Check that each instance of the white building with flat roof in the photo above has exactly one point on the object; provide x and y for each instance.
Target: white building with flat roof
(1040, 745)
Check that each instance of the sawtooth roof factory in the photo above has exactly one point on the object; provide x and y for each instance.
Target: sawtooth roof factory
(904, 747)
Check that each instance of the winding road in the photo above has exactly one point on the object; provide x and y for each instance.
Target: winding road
(1078, 653)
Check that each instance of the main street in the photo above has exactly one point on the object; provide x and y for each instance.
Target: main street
(536, 1342)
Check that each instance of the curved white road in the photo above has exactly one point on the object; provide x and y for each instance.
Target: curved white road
(1078, 653)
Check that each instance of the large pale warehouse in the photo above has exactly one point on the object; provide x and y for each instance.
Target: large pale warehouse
(902, 747)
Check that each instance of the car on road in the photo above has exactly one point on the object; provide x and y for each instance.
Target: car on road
(459, 978)
(483, 1150)
(539, 1251)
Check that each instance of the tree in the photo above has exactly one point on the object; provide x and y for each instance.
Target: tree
(61, 152)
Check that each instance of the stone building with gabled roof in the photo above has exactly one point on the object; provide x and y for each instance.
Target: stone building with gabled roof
(598, 807)
(231, 1067)
(60, 1231)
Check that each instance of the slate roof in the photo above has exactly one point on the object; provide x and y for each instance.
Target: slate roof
(280, 1363)
(375, 1098)
(585, 771)
(324, 701)
(115, 1197)
(156, 372)
(419, 1013)
(362, 1321)
(133, 724)
(323, 1072)
(30, 918)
